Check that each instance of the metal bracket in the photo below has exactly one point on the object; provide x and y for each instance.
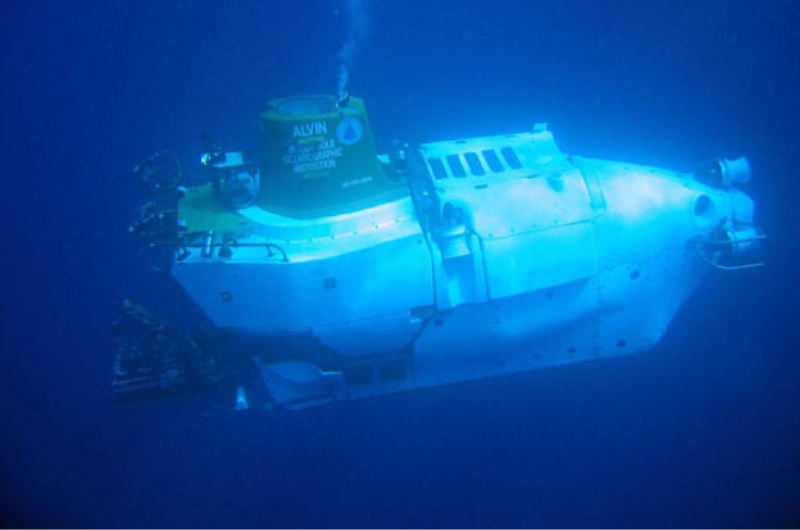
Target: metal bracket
(732, 246)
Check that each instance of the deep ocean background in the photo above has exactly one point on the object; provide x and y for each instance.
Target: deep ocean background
(702, 431)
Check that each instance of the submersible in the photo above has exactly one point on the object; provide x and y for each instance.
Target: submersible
(328, 271)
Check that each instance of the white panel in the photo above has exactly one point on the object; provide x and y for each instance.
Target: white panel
(277, 297)
(537, 153)
(375, 335)
(275, 226)
(456, 346)
(535, 260)
(640, 298)
(649, 210)
(522, 205)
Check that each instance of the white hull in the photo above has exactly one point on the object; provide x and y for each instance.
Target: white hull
(557, 261)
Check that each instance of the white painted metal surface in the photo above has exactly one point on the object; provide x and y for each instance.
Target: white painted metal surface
(549, 259)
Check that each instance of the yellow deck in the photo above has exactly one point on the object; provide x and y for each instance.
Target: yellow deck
(201, 212)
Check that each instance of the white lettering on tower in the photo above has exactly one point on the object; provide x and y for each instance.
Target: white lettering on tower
(314, 128)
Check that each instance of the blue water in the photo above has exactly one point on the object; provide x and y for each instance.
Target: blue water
(702, 431)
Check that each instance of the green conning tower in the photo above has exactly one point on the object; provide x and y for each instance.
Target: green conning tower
(318, 158)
